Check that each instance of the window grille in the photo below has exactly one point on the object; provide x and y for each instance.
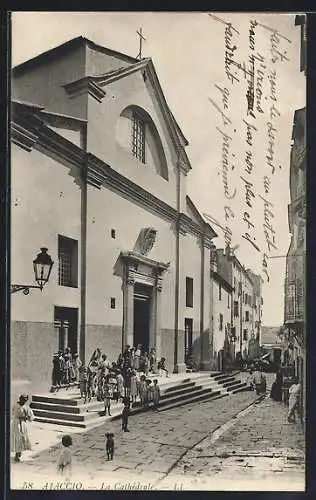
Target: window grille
(138, 138)
(67, 262)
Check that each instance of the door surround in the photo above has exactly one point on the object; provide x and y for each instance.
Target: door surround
(142, 270)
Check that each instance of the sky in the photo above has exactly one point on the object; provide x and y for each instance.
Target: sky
(188, 51)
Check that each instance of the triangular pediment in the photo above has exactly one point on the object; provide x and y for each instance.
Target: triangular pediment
(150, 77)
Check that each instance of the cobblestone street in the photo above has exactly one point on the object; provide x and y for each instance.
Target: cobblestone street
(178, 449)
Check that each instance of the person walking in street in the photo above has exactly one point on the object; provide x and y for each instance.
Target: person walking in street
(125, 414)
(21, 414)
(249, 380)
(156, 394)
(257, 380)
(276, 389)
(294, 399)
(64, 464)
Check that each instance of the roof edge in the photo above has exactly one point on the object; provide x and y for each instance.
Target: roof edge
(67, 46)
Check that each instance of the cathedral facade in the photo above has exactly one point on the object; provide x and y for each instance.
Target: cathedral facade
(99, 176)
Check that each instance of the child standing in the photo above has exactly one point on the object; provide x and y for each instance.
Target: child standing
(125, 414)
(77, 363)
(133, 387)
(146, 364)
(64, 464)
(107, 394)
(147, 392)
(120, 384)
(141, 389)
(83, 383)
(156, 394)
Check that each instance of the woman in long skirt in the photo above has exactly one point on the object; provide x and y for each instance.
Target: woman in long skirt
(21, 414)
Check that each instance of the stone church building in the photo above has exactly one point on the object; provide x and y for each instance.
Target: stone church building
(99, 176)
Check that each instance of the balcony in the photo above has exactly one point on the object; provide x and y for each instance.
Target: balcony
(294, 312)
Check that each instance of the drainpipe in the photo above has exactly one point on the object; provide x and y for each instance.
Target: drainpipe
(83, 256)
(176, 308)
(202, 301)
(240, 333)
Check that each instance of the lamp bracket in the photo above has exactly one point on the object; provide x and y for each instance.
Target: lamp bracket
(25, 288)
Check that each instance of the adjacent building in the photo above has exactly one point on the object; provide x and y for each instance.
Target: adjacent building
(294, 291)
(243, 311)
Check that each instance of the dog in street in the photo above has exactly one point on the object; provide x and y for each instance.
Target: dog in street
(109, 445)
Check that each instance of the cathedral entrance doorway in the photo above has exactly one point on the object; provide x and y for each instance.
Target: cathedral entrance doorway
(142, 307)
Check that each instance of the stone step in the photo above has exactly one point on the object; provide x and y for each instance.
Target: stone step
(206, 395)
(243, 387)
(237, 385)
(179, 391)
(180, 397)
(60, 415)
(187, 383)
(73, 412)
(55, 400)
(230, 383)
(223, 380)
(68, 423)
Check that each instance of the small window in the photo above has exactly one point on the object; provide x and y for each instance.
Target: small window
(235, 285)
(138, 138)
(220, 292)
(189, 292)
(112, 302)
(113, 235)
(221, 322)
(247, 316)
(67, 262)
(245, 336)
(228, 300)
(236, 308)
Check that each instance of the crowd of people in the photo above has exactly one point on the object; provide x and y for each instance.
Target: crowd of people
(125, 378)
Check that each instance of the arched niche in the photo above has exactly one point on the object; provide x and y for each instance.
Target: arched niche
(137, 133)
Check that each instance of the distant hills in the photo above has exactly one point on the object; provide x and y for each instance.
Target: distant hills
(269, 335)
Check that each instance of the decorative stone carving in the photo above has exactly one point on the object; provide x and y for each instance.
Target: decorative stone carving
(147, 240)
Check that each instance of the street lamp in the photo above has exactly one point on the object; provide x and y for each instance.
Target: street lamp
(42, 268)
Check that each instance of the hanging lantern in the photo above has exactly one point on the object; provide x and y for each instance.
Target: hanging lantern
(42, 267)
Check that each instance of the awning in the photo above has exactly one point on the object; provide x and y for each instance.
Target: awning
(265, 356)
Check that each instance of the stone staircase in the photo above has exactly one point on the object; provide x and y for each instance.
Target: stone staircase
(67, 409)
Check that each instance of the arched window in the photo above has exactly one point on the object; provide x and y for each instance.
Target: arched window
(137, 133)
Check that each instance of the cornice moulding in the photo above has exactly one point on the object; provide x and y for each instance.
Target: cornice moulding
(83, 86)
(23, 137)
(32, 132)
